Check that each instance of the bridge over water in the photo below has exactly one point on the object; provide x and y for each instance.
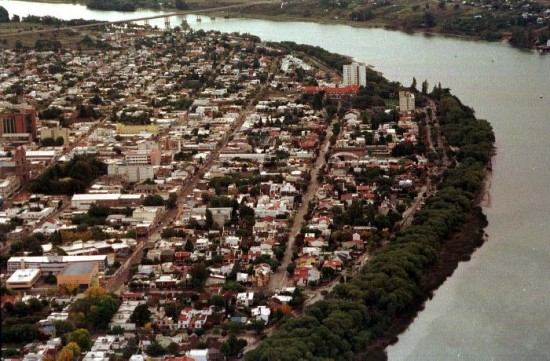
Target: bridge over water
(145, 19)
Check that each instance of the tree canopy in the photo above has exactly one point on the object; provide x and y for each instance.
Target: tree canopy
(72, 177)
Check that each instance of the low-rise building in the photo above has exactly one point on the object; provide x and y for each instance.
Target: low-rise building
(54, 264)
(81, 275)
(23, 278)
(9, 186)
(54, 133)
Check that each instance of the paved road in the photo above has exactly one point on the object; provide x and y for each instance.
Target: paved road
(279, 279)
(117, 282)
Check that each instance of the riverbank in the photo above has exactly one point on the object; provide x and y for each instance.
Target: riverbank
(311, 12)
(458, 248)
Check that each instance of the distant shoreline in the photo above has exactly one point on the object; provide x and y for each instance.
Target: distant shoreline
(286, 18)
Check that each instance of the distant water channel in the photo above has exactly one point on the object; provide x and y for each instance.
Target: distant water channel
(495, 307)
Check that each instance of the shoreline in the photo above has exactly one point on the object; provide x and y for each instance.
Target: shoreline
(458, 248)
(297, 18)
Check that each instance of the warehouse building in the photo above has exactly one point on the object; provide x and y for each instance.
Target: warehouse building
(79, 275)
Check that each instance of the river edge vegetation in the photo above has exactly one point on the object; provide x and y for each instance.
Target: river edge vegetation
(524, 23)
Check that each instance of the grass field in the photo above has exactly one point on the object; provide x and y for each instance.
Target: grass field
(68, 38)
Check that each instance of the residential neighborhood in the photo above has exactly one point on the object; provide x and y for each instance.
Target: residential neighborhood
(175, 194)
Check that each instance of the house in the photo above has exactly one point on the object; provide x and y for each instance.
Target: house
(198, 355)
(334, 263)
(192, 318)
(261, 313)
(262, 273)
(245, 299)
(300, 276)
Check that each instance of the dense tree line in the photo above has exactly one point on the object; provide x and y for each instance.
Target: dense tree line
(69, 178)
(4, 15)
(124, 5)
(117, 5)
(359, 312)
(51, 20)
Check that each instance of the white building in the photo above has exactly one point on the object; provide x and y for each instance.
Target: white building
(23, 278)
(9, 186)
(55, 133)
(354, 74)
(147, 214)
(261, 313)
(132, 172)
(406, 101)
(84, 201)
(54, 264)
(143, 157)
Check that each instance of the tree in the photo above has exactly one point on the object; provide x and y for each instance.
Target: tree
(290, 268)
(63, 327)
(257, 325)
(47, 142)
(141, 315)
(73, 346)
(81, 337)
(95, 291)
(50, 279)
(154, 349)
(153, 201)
(216, 300)
(209, 222)
(413, 85)
(233, 346)
(117, 330)
(172, 200)
(189, 247)
(429, 19)
(199, 274)
(15, 18)
(425, 87)
(181, 5)
(59, 141)
(55, 238)
(65, 355)
(173, 349)
(4, 15)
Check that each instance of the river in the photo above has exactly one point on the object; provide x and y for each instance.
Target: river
(496, 306)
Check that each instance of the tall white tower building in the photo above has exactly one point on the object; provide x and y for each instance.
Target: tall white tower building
(355, 74)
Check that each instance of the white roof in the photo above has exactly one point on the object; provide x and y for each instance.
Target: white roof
(40, 153)
(45, 259)
(96, 196)
(23, 275)
(130, 196)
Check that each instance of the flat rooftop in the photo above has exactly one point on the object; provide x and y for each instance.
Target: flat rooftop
(82, 268)
(23, 275)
